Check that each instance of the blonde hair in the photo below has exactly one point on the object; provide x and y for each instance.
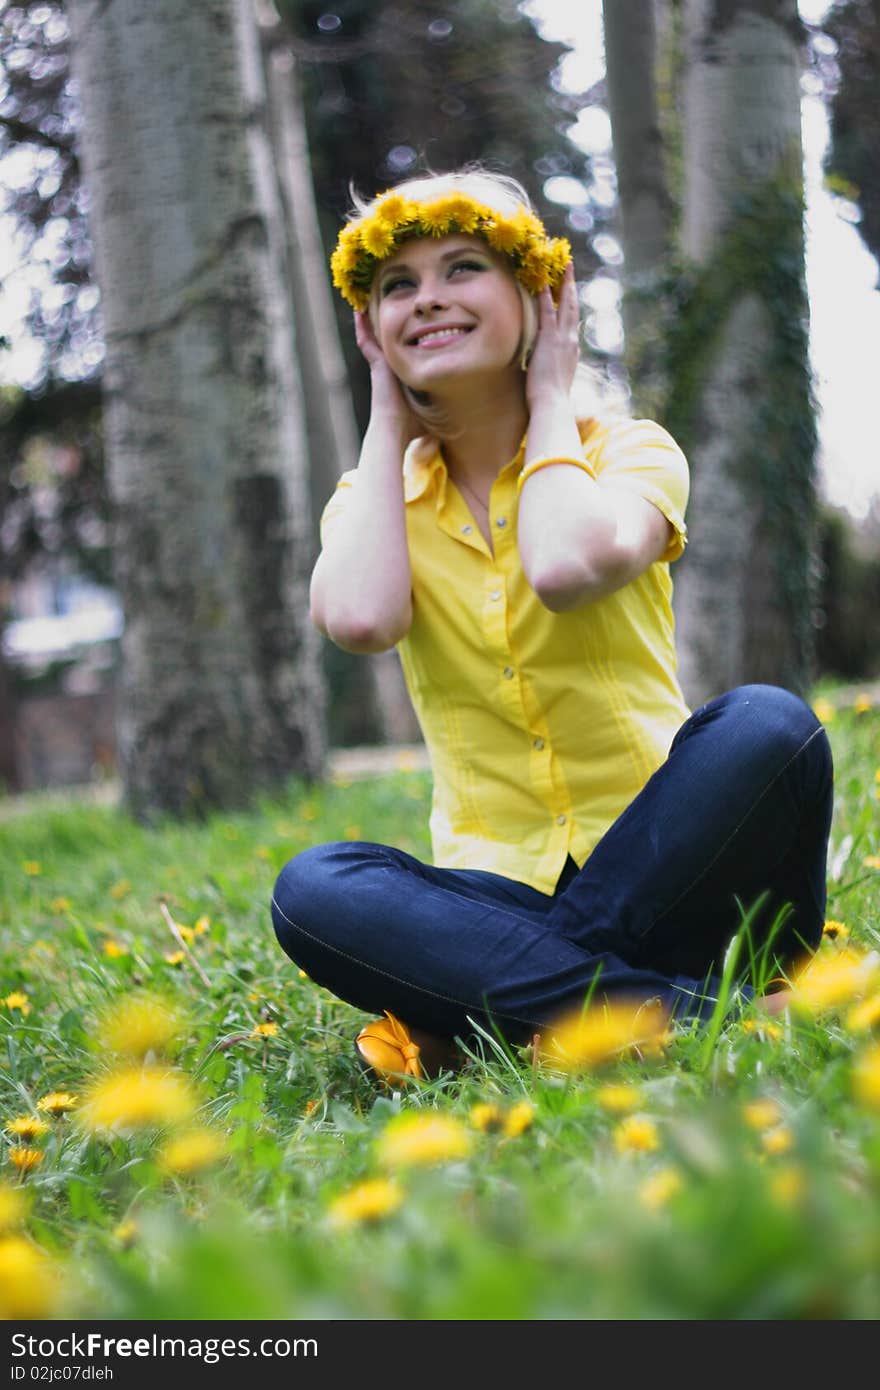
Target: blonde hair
(506, 195)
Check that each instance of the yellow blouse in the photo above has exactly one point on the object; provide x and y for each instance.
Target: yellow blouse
(541, 727)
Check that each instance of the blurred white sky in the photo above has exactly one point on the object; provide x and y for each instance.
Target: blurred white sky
(841, 275)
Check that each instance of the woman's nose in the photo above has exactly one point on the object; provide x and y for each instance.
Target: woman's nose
(430, 295)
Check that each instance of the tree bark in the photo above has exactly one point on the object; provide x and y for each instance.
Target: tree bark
(740, 395)
(221, 692)
(331, 427)
(646, 205)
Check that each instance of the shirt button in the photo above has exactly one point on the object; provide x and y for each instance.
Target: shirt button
(501, 521)
(538, 743)
(560, 820)
(495, 594)
(508, 673)
(466, 530)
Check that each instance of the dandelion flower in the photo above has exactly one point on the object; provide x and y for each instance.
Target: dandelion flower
(636, 1134)
(27, 1127)
(174, 958)
(656, 1191)
(57, 1102)
(201, 925)
(114, 949)
(120, 890)
(32, 867)
(597, 1035)
(28, 1287)
(762, 1114)
(367, 1203)
(836, 931)
(265, 1030)
(777, 1141)
(137, 1025)
(60, 904)
(861, 704)
(871, 861)
(137, 1097)
(422, 1139)
(788, 1185)
(827, 981)
(13, 1207)
(126, 1233)
(619, 1098)
(518, 1119)
(866, 1077)
(763, 1027)
(188, 1152)
(486, 1116)
(824, 710)
(26, 1159)
(18, 1000)
(865, 1015)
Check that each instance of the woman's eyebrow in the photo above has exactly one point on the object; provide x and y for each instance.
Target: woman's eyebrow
(463, 250)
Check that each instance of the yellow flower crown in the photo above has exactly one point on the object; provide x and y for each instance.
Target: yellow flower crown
(538, 259)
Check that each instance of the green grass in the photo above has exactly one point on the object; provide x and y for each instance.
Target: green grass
(556, 1222)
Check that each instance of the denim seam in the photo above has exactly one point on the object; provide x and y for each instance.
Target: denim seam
(433, 994)
(732, 835)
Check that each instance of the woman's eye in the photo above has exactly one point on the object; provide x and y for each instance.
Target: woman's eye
(389, 285)
(468, 265)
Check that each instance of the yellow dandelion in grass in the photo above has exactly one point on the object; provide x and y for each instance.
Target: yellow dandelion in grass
(366, 1204)
(191, 1151)
(32, 867)
(827, 981)
(126, 1233)
(834, 930)
(13, 1207)
(26, 1159)
(762, 1114)
(486, 1116)
(866, 1077)
(138, 1024)
(265, 1030)
(187, 933)
(824, 710)
(871, 861)
(28, 1127)
(777, 1141)
(114, 949)
(518, 1119)
(174, 957)
(865, 1015)
(606, 1031)
(619, 1098)
(763, 1027)
(60, 904)
(57, 1102)
(120, 889)
(29, 1286)
(352, 832)
(636, 1134)
(861, 704)
(657, 1190)
(135, 1098)
(414, 1139)
(19, 1001)
(788, 1185)
(201, 925)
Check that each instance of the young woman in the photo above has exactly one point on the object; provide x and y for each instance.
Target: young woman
(591, 837)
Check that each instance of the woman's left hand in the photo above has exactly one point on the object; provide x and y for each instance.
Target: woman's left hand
(557, 347)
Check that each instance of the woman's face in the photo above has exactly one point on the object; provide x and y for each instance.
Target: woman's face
(447, 311)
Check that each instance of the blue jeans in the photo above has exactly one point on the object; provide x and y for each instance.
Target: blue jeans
(740, 811)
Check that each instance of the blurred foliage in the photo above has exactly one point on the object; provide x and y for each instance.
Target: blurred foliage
(852, 163)
(848, 640)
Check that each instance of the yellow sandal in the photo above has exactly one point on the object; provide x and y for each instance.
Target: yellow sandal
(388, 1049)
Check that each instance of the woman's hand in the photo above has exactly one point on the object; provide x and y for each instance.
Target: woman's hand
(555, 355)
(388, 400)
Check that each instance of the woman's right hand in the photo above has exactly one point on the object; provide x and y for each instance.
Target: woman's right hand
(388, 400)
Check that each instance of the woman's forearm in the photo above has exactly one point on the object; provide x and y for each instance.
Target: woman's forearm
(361, 588)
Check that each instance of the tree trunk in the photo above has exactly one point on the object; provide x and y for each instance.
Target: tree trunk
(740, 396)
(221, 692)
(646, 207)
(331, 427)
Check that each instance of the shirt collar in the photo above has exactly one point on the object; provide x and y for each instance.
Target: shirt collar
(424, 459)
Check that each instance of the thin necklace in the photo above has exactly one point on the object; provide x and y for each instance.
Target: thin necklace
(460, 482)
